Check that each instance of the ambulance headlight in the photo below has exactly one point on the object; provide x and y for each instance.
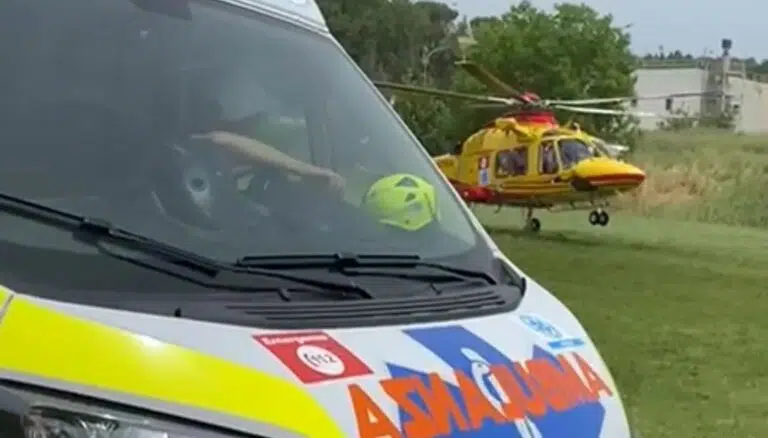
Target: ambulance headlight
(50, 422)
(47, 415)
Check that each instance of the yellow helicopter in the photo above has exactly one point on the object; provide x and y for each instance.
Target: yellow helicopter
(526, 159)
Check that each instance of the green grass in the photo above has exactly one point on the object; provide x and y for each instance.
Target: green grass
(679, 311)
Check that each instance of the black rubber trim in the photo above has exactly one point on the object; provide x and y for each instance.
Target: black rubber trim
(490, 300)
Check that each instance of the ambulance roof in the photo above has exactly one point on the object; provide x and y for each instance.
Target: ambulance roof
(303, 11)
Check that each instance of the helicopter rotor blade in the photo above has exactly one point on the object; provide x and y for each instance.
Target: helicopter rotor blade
(639, 114)
(488, 79)
(499, 101)
(605, 100)
(610, 112)
(496, 106)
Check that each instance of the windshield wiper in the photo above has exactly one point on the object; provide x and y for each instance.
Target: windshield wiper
(345, 262)
(97, 232)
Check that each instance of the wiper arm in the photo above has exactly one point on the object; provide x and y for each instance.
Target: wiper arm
(344, 261)
(97, 232)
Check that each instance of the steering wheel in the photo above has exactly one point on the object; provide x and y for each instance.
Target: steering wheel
(194, 184)
(273, 186)
(295, 201)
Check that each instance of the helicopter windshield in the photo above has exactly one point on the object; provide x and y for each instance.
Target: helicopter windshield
(212, 128)
(573, 151)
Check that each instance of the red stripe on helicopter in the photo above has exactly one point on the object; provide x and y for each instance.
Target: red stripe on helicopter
(618, 177)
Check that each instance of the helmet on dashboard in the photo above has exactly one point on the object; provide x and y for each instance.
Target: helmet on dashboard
(403, 201)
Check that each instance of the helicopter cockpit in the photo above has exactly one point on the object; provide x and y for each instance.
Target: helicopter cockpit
(572, 151)
(564, 152)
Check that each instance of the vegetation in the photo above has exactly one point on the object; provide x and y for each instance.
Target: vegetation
(703, 175)
(530, 48)
(677, 310)
(752, 65)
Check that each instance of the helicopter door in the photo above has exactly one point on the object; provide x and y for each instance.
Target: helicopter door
(548, 165)
(548, 169)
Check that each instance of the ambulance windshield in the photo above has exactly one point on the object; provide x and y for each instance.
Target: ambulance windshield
(212, 128)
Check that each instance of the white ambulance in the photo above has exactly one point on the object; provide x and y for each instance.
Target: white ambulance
(214, 226)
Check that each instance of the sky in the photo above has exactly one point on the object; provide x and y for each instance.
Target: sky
(691, 26)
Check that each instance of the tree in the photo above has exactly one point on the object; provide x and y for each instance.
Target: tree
(391, 40)
(571, 53)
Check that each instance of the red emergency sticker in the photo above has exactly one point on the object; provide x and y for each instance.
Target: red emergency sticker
(313, 356)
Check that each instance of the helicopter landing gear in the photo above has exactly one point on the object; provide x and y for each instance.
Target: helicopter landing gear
(599, 217)
(531, 223)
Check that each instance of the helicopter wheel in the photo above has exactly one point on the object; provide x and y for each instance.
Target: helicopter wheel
(604, 218)
(533, 225)
(599, 217)
(594, 217)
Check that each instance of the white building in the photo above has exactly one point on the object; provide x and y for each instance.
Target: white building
(749, 95)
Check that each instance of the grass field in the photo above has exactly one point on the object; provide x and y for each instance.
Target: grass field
(678, 309)
(674, 291)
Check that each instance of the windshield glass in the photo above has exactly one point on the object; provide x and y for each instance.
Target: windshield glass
(211, 128)
(572, 151)
(599, 147)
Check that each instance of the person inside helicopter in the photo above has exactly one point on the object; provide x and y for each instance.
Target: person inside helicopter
(572, 151)
(548, 159)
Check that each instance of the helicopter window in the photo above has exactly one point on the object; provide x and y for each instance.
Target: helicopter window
(599, 148)
(548, 158)
(512, 162)
(572, 151)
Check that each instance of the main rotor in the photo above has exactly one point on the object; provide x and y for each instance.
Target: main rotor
(507, 97)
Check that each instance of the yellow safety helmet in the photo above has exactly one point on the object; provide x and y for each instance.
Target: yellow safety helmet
(402, 200)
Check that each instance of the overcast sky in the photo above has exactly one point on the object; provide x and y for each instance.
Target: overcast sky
(688, 25)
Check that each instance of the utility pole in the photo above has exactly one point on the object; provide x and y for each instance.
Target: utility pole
(725, 86)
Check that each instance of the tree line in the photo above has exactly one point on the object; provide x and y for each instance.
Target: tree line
(752, 65)
(569, 53)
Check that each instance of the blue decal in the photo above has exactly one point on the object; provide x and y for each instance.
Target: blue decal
(558, 339)
(484, 177)
(462, 350)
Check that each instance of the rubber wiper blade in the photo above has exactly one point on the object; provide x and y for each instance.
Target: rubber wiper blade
(209, 266)
(102, 234)
(342, 261)
(212, 267)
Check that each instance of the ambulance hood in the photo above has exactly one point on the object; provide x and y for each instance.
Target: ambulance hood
(530, 373)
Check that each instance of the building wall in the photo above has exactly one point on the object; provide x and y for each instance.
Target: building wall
(751, 95)
(754, 104)
(652, 82)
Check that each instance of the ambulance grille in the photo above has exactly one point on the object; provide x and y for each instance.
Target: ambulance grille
(374, 312)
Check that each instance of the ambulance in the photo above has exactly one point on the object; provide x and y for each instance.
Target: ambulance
(214, 226)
